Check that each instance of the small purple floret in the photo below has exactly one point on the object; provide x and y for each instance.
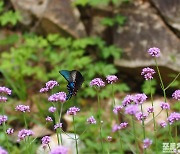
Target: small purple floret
(10, 131)
(52, 109)
(139, 98)
(59, 150)
(73, 110)
(3, 118)
(45, 140)
(175, 116)
(148, 73)
(49, 119)
(129, 99)
(22, 108)
(111, 78)
(165, 106)
(24, 133)
(98, 82)
(117, 109)
(3, 99)
(3, 151)
(131, 109)
(150, 110)
(59, 125)
(163, 124)
(155, 52)
(91, 120)
(176, 95)
(5, 90)
(58, 97)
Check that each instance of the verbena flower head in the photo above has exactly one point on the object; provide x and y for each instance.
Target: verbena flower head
(155, 52)
(22, 108)
(147, 142)
(175, 116)
(59, 150)
(163, 124)
(141, 116)
(165, 106)
(123, 125)
(129, 99)
(10, 131)
(49, 119)
(3, 118)
(109, 138)
(115, 128)
(117, 109)
(3, 151)
(150, 110)
(91, 120)
(52, 109)
(58, 97)
(56, 126)
(73, 110)
(43, 90)
(111, 78)
(24, 133)
(131, 109)
(98, 82)
(51, 84)
(5, 90)
(148, 73)
(176, 95)
(3, 99)
(45, 140)
(139, 98)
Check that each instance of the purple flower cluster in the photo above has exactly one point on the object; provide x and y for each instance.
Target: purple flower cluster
(176, 95)
(10, 131)
(139, 98)
(3, 118)
(22, 108)
(141, 116)
(131, 109)
(111, 78)
(117, 127)
(73, 110)
(175, 116)
(49, 119)
(163, 124)
(128, 100)
(91, 120)
(117, 109)
(58, 97)
(59, 150)
(49, 85)
(155, 52)
(150, 110)
(98, 82)
(24, 133)
(56, 126)
(165, 106)
(148, 73)
(3, 151)
(45, 140)
(5, 90)
(52, 109)
(147, 142)
(3, 99)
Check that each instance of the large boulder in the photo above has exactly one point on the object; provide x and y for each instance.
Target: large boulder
(143, 29)
(170, 11)
(52, 16)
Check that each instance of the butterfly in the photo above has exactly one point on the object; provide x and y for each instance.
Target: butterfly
(74, 79)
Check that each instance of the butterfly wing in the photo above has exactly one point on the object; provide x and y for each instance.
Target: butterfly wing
(78, 79)
(67, 75)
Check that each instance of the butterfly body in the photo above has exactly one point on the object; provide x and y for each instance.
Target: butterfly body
(74, 79)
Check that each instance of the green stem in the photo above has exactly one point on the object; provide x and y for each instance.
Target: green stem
(134, 130)
(75, 135)
(25, 122)
(56, 129)
(154, 122)
(60, 114)
(172, 82)
(6, 137)
(164, 93)
(121, 147)
(113, 105)
(99, 119)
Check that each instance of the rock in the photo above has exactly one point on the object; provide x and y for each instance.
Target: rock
(40, 131)
(142, 30)
(170, 11)
(53, 15)
(67, 142)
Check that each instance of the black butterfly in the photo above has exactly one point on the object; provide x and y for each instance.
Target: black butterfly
(74, 79)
